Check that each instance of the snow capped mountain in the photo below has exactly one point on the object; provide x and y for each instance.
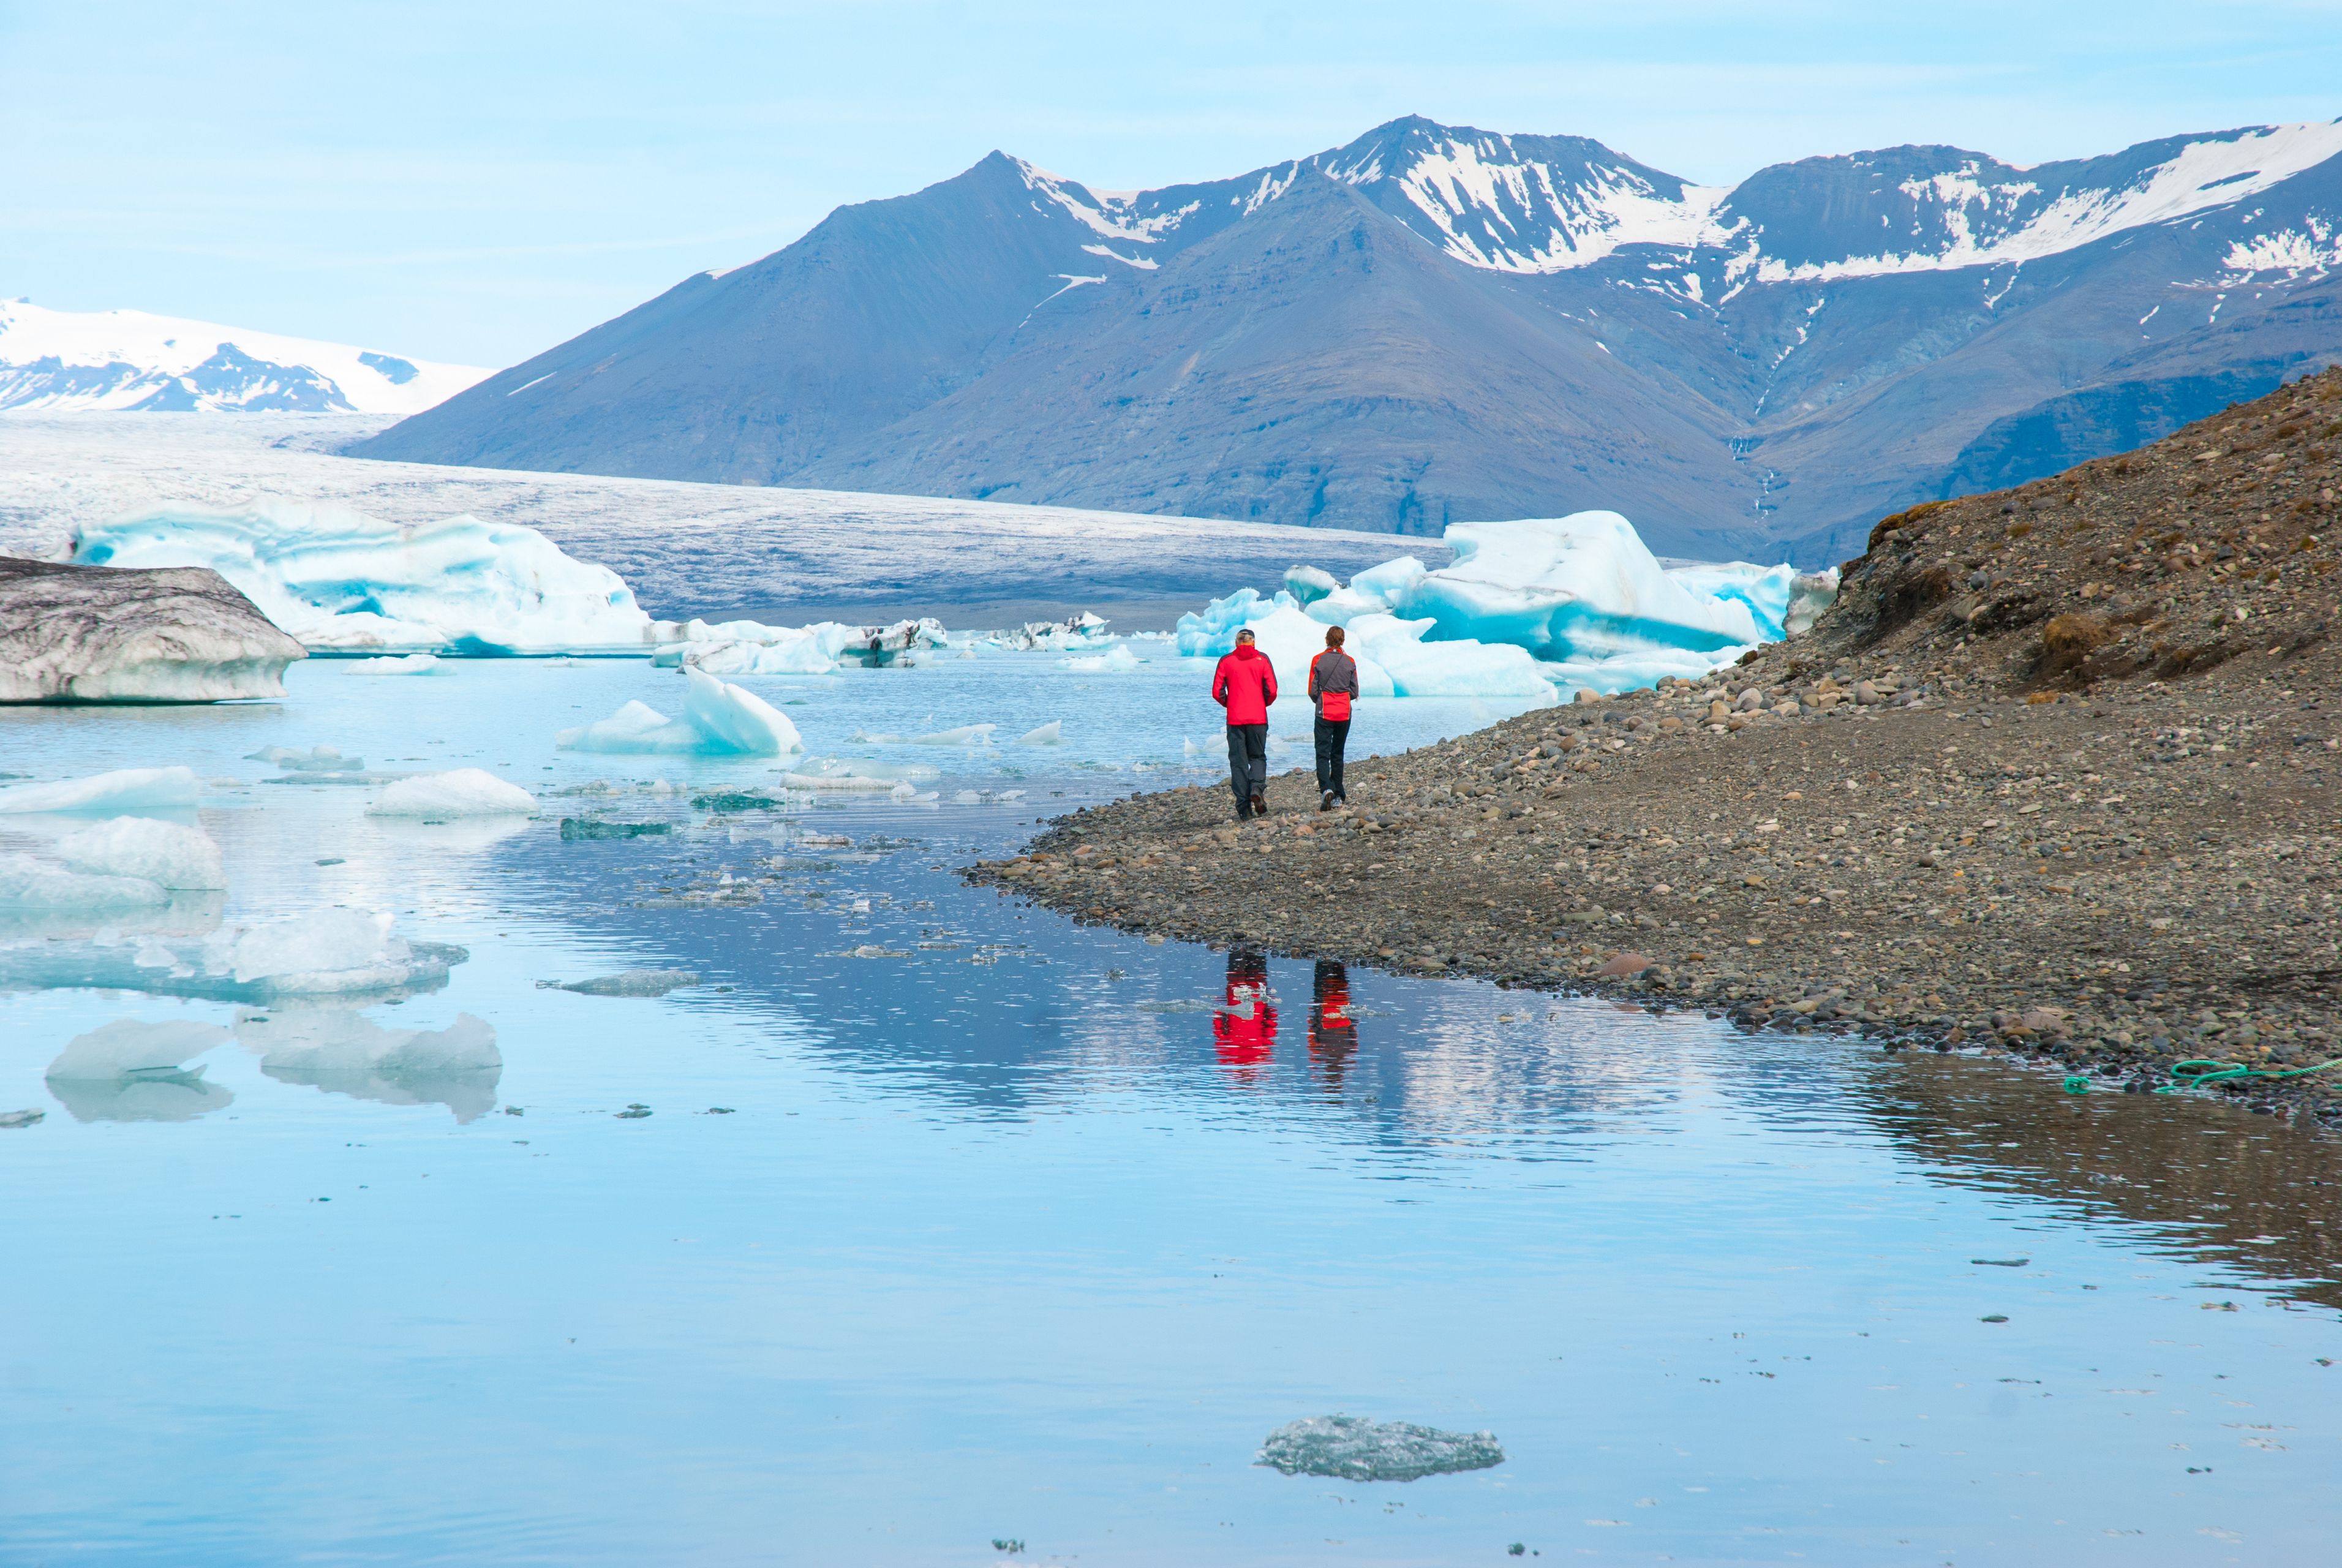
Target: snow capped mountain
(1939, 209)
(1439, 322)
(127, 359)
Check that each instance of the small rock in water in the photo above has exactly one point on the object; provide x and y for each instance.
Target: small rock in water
(633, 983)
(1353, 1448)
(634, 1112)
(2002, 1262)
(20, 1118)
(1994, 1317)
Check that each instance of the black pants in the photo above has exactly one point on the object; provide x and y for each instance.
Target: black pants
(1247, 763)
(1333, 735)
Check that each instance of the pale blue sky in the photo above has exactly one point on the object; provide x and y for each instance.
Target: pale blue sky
(477, 181)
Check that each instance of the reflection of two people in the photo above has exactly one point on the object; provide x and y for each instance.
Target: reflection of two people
(1244, 1030)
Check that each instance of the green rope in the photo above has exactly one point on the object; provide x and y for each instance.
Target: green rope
(2199, 1070)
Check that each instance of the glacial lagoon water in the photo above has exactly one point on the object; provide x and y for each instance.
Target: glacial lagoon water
(928, 1221)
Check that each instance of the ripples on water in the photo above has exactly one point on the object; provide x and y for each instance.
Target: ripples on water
(950, 1220)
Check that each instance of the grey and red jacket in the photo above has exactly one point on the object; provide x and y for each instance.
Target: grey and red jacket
(1330, 672)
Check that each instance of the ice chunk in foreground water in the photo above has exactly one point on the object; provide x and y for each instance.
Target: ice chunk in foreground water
(123, 790)
(1353, 1448)
(1117, 660)
(1052, 734)
(167, 854)
(342, 1053)
(403, 664)
(466, 792)
(29, 884)
(718, 719)
(633, 983)
(323, 951)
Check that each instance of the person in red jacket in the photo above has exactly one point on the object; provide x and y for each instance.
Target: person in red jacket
(1245, 684)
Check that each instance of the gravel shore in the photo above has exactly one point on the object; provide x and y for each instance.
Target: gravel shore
(2054, 777)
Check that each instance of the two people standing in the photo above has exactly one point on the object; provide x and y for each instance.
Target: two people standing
(1244, 684)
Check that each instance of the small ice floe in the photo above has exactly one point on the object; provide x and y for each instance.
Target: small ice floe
(870, 950)
(718, 719)
(404, 664)
(316, 760)
(167, 854)
(1083, 631)
(629, 982)
(340, 1051)
(323, 952)
(11, 1120)
(1117, 660)
(1352, 1448)
(133, 1071)
(109, 794)
(26, 884)
(965, 735)
(1052, 734)
(464, 792)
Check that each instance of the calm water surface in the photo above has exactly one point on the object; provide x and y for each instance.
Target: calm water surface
(1006, 1230)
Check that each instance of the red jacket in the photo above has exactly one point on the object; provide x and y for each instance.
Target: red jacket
(1245, 685)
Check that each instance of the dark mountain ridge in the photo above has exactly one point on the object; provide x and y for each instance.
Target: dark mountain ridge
(1435, 324)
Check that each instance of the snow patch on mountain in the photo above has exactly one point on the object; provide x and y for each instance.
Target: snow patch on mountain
(1984, 216)
(129, 360)
(2312, 249)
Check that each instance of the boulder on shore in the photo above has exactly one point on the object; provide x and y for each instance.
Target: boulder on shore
(109, 634)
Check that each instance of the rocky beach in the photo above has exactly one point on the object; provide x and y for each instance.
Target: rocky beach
(2054, 777)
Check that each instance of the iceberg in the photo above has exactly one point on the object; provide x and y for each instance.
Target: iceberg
(26, 884)
(319, 759)
(1083, 631)
(1783, 600)
(109, 794)
(132, 1071)
(324, 952)
(336, 580)
(399, 665)
(82, 634)
(1310, 583)
(1393, 658)
(464, 792)
(166, 853)
(341, 1053)
(1052, 734)
(718, 719)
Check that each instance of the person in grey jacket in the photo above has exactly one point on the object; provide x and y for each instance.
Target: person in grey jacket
(1333, 687)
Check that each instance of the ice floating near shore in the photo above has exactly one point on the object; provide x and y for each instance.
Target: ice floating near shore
(1581, 596)
(1083, 631)
(1352, 1448)
(339, 581)
(464, 792)
(965, 735)
(1052, 734)
(110, 793)
(718, 719)
(753, 648)
(631, 982)
(401, 665)
(323, 952)
(316, 760)
(26, 884)
(167, 854)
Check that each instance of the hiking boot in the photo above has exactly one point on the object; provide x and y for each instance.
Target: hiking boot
(1259, 806)
(1326, 801)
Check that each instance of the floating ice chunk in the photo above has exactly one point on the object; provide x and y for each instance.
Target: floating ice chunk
(1052, 734)
(846, 783)
(965, 735)
(1118, 659)
(317, 759)
(130, 1045)
(321, 953)
(26, 884)
(634, 982)
(718, 719)
(336, 579)
(123, 790)
(1292, 639)
(342, 1053)
(167, 854)
(1083, 631)
(401, 665)
(1352, 1448)
(1576, 586)
(1310, 583)
(464, 792)
(1465, 667)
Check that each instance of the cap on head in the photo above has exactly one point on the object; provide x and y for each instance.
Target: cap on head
(1243, 633)
(1333, 635)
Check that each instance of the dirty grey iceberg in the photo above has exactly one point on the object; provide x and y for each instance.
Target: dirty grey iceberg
(1353, 1448)
(89, 635)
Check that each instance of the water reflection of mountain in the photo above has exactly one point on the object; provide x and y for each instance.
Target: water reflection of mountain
(1010, 1009)
(2212, 1183)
